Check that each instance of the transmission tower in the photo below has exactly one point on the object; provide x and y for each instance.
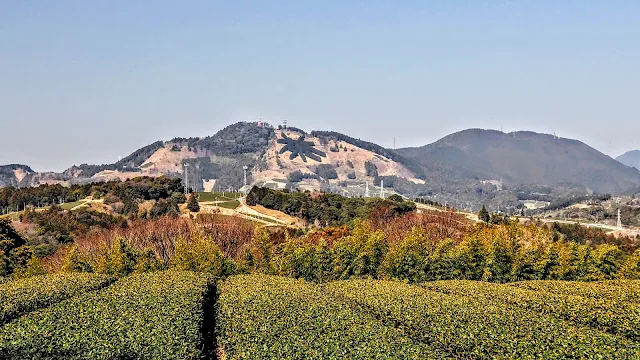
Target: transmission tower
(186, 178)
(619, 223)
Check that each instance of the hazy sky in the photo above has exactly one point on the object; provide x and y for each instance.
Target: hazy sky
(88, 81)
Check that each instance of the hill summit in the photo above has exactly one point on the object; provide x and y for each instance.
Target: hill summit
(523, 158)
(630, 158)
(471, 167)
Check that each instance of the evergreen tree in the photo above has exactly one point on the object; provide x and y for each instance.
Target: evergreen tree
(192, 204)
(484, 215)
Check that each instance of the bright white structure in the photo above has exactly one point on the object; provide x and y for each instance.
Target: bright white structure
(245, 168)
(619, 224)
(186, 178)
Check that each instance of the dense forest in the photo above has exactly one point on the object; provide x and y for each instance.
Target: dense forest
(327, 209)
(147, 188)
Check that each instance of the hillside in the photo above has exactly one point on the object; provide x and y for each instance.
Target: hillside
(523, 158)
(630, 158)
(468, 169)
(280, 155)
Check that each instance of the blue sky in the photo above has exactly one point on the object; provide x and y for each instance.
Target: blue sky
(88, 81)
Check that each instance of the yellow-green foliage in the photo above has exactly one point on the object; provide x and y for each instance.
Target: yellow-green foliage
(615, 290)
(201, 254)
(268, 317)
(472, 327)
(161, 315)
(631, 267)
(608, 313)
(22, 296)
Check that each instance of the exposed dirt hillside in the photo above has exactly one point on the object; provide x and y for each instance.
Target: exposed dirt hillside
(348, 159)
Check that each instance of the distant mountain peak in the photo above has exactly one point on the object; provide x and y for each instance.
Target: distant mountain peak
(630, 158)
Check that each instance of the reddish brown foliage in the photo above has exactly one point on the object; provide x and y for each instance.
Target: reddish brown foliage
(329, 235)
(437, 225)
(160, 235)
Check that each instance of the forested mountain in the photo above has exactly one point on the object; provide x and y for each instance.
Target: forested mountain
(471, 167)
(523, 158)
(630, 158)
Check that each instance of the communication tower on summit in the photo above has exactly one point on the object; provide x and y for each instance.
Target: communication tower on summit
(284, 123)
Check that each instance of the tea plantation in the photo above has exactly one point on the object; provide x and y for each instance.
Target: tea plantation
(185, 315)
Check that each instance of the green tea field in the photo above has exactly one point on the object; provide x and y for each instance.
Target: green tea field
(184, 315)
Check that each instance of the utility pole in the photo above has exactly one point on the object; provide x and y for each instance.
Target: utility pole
(245, 168)
(186, 178)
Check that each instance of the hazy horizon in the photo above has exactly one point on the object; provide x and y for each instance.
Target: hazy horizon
(86, 82)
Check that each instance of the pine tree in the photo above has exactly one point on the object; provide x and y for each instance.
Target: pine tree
(484, 215)
(192, 204)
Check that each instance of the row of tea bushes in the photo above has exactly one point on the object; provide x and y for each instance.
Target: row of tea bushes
(613, 316)
(615, 290)
(269, 317)
(162, 315)
(22, 296)
(469, 327)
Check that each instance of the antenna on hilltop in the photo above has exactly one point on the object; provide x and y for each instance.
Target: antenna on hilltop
(394, 143)
(284, 123)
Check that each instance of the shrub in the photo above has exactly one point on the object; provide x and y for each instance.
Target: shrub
(472, 327)
(371, 169)
(162, 315)
(201, 254)
(23, 296)
(268, 317)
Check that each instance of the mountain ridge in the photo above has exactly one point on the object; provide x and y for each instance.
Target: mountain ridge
(475, 165)
(630, 158)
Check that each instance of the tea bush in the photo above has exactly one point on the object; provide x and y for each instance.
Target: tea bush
(161, 315)
(269, 317)
(471, 327)
(23, 296)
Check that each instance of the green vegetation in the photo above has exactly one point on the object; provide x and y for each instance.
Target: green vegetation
(127, 192)
(229, 204)
(326, 171)
(13, 252)
(164, 315)
(484, 215)
(71, 205)
(614, 290)
(472, 327)
(217, 196)
(23, 296)
(607, 314)
(371, 169)
(267, 317)
(300, 147)
(192, 203)
(328, 209)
